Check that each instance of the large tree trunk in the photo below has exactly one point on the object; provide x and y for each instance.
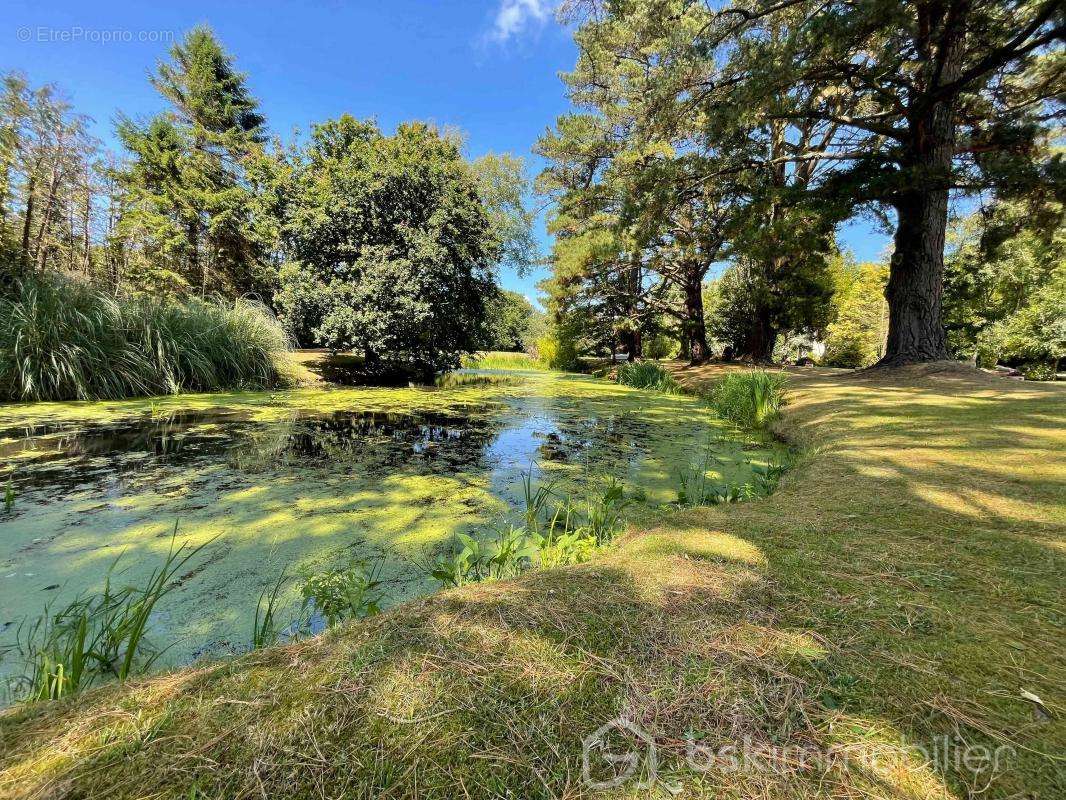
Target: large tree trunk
(27, 223)
(916, 275)
(695, 326)
(916, 281)
(632, 337)
(633, 342)
(761, 339)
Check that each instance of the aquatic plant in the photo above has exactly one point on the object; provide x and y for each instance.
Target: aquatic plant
(9, 497)
(63, 339)
(697, 488)
(501, 360)
(508, 554)
(558, 549)
(604, 513)
(265, 630)
(352, 591)
(461, 566)
(462, 380)
(749, 399)
(555, 532)
(535, 499)
(766, 478)
(98, 637)
(647, 375)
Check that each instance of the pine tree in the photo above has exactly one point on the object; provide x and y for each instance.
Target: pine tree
(190, 171)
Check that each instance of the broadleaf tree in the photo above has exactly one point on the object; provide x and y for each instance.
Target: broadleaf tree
(390, 247)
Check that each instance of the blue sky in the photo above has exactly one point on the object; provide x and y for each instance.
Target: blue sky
(488, 67)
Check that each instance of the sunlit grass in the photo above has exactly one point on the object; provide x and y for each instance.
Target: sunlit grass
(501, 360)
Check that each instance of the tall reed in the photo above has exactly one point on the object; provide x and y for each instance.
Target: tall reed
(502, 360)
(98, 637)
(750, 399)
(64, 339)
(647, 375)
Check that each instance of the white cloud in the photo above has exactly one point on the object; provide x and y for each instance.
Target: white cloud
(517, 16)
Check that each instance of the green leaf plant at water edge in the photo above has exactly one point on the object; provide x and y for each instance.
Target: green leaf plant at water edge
(696, 487)
(555, 531)
(98, 637)
(749, 399)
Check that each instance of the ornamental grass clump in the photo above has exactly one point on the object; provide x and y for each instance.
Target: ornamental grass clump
(64, 339)
(647, 375)
(749, 399)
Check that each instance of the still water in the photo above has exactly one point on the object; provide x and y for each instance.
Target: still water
(302, 480)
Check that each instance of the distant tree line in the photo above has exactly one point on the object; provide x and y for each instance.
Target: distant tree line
(383, 244)
(739, 137)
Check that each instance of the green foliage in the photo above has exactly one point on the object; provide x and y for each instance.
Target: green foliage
(98, 637)
(558, 349)
(855, 338)
(660, 346)
(62, 339)
(508, 554)
(1040, 372)
(647, 375)
(697, 488)
(265, 629)
(510, 322)
(554, 532)
(390, 246)
(1005, 286)
(750, 399)
(9, 497)
(765, 125)
(349, 592)
(504, 361)
(187, 217)
(753, 304)
(502, 185)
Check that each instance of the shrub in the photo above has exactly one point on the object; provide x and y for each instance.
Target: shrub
(647, 375)
(1039, 372)
(63, 339)
(557, 349)
(849, 350)
(661, 346)
(749, 399)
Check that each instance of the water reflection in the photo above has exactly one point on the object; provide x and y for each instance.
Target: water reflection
(56, 459)
(313, 488)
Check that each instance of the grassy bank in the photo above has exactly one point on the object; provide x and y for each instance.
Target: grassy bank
(903, 585)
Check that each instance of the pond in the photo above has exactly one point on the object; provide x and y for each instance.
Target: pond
(305, 479)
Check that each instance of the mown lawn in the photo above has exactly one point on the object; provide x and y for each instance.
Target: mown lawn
(902, 589)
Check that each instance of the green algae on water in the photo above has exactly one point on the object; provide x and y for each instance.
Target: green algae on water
(309, 478)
